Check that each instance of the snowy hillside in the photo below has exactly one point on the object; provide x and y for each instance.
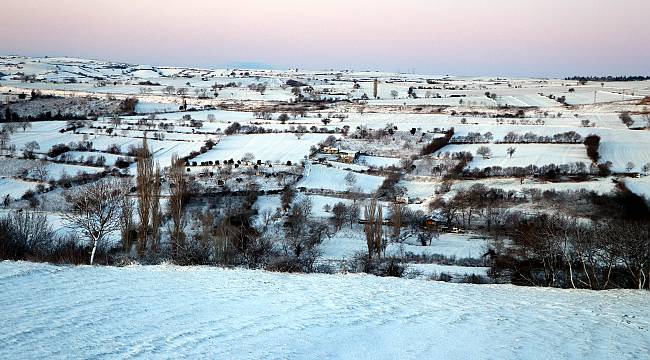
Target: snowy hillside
(197, 312)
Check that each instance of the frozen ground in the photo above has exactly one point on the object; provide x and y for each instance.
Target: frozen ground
(171, 312)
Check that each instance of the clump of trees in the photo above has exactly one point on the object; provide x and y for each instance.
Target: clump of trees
(569, 137)
(232, 129)
(592, 142)
(26, 235)
(564, 251)
(626, 118)
(584, 79)
(127, 106)
(438, 143)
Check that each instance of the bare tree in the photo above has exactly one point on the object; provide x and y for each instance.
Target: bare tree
(5, 140)
(177, 194)
(169, 90)
(352, 214)
(338, 215)
(396, 213)
(265, 218)
(300, 131)
(484, 151)
(373, 228)
(447, 209)
(511, 150)
(350, 181)
(24, 124)
(287, 196)
(29, 148)
(156, 216)
(126, 214)
(95, 211)
(144, 178)
(39, 171)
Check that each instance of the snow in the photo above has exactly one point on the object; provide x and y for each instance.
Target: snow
(640, 186)
(525, 154)
(589, 97)
(378, 161)
(349, 241)
(418, 189)
(15, 188)
(429, 270)
(199, 312)
(330, 178)
(56, 171)
(151, 107)
(623, 147)
(266, 147)
(449, 245)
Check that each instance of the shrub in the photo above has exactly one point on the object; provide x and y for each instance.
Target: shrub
(438, 143)
(232, 129)
(121, 163)
(285, 264)
(57, 150)
(127, 106)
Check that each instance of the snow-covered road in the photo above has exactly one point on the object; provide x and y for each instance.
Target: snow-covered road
(200, 312)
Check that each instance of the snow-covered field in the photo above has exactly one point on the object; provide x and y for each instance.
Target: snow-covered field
(329, 178)
(166, 311)
(525, 154)
(378, 161)
(266, 147)
(15, 188)
(200, 312)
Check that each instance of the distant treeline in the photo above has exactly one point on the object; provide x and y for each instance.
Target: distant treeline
(607, 78)
(9, 116)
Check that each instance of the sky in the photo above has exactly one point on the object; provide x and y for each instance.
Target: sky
(549, 38)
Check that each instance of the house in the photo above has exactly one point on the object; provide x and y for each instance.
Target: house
(402, 199)
(330, 150)
(348, 156)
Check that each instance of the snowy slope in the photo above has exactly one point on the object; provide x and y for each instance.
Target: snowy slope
(199, 312)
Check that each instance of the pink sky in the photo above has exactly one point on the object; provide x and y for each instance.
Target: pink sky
(464, 37)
